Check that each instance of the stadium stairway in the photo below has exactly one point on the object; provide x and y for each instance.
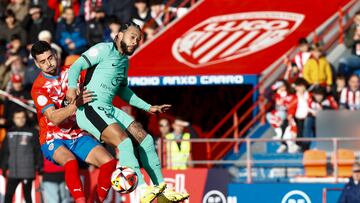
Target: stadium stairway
(261, 152)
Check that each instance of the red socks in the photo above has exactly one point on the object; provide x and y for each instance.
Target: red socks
(104, 178)
(73, 182)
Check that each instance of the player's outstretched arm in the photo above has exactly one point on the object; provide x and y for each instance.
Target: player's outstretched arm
(159, 108)
(131, 98)
(57, 116)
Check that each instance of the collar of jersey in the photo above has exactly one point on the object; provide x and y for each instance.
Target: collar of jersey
(51, 77)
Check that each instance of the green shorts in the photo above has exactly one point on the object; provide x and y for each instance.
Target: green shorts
(95, 117)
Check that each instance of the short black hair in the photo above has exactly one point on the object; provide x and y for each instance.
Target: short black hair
(357, 13)
(301, 82)
(19, 111)
(303, 41)
(125, 26)
(340, 76)
(113, 19)
(39, 47)
(319, 90)
(15, 37)
(67, 8)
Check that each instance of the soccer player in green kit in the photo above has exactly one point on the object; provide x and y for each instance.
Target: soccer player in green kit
(107, 68)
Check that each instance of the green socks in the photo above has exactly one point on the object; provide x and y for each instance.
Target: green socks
(127, 158)
(150, 160)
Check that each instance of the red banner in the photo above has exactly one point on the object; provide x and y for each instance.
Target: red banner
(230, 37)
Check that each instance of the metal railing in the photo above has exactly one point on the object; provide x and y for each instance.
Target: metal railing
(323, 33)
(247, 161)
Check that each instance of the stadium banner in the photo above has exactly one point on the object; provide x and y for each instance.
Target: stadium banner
(230, 37)
(195, 80)
(204, 186)
(284, 192)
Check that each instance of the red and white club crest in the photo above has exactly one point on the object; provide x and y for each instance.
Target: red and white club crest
(227, 37)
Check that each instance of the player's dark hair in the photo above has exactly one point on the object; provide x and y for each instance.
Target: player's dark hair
(124, 27)
(39, 47)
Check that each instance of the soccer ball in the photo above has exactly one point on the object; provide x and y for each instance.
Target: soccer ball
(124, 180)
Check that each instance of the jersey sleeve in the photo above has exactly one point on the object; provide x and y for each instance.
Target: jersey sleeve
(90, 58)
(41, 99)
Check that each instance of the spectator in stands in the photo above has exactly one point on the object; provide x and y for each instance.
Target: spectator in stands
(89, 7)
(340, 84)
(164, 127)
(178, 153)
(58, 7)
(20, 8)
(303, 55)
(5, 72)
(46, 36)
(35, 22)
(70, 33)
(17, 90)
(298, 108)
(317, 102)
(13, 65)
(350, 96)
(95, 27)
(142, 13)
(292, 71)
(113, 28)
(15, 47)
(317, 70)
(21, 155)
(351, 63)
(351, 191)
(278, 115)
(121, 9)
(157, 12)
(11, 28)
(180, 8)
(53, 183)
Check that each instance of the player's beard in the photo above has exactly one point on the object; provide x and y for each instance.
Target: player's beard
(124, 47)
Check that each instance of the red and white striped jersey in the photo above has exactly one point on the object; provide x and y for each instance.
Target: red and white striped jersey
(50, 91)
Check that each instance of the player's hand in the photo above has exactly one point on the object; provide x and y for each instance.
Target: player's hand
(159, 108)
(85, 96)
(71, 95)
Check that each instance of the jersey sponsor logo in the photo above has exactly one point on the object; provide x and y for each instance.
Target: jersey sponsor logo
(119, 80)
(228, 37)
(107, 111)
(41, 100)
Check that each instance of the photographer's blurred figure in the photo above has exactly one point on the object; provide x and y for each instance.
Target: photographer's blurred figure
(351, 191)
(178, 152)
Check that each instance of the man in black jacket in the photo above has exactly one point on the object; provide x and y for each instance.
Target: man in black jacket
(21, 155)
(35, 22)
(351, 191)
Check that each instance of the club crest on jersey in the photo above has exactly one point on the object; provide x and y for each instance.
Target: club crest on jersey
(227, 37)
